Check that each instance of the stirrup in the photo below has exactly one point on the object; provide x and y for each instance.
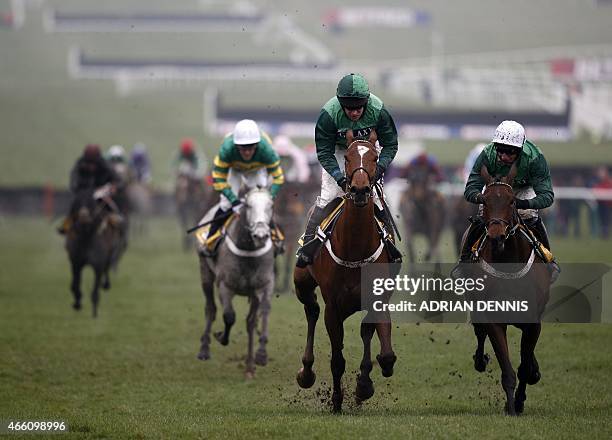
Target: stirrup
(394, 253)
(554, 269)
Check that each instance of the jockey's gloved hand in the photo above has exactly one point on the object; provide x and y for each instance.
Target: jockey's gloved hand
(522, 204)
(380, 171)
(342, 183)
(236, 206)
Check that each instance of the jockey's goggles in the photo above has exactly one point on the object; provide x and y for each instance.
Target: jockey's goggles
(246, 146)
(507, 150)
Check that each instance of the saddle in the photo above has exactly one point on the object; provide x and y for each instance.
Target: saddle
(331, 214)
(211, 244)
(544, 253)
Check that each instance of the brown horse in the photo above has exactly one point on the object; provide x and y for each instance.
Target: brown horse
(505, 242)
(192, 197)
(422, 208)
(354, 243)
(289, 212)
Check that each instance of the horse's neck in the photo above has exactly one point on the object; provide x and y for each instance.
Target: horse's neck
(516, 250)
(239, 233)
(355, 235)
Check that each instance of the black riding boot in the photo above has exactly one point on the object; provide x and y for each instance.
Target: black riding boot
(217, 221)
(395, 256)
(305, 254)
(474, 232)
(542, 236)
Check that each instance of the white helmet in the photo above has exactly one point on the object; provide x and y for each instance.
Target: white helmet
(510, 133)
(116, 152)
(246, 132)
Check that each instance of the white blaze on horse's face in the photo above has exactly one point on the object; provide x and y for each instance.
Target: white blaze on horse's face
(259, 213)
(362, 150)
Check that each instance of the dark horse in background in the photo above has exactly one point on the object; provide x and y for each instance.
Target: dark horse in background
(505, 243)
(290, 213)
(192, 197)
(422, 208)
(94, 239)
(354, 243)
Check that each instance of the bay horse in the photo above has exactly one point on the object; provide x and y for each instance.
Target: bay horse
(191, 196)
(244, 265)
(354, 243)
(93, 239)
(422, 208)
(505, 242)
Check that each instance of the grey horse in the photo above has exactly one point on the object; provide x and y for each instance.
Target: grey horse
(244, 265)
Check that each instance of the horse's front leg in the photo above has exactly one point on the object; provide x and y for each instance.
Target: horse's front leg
(528, 370)
(251, 324)
(261, 356)
(229, 315)
(335, 330)
(386, 359)
(95, 293)
(481, 359)
(75, 285)
(365, 387)
(304, 290)
(497, 336)
(210, 310)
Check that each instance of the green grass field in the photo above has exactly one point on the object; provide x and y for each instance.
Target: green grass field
(133, 372)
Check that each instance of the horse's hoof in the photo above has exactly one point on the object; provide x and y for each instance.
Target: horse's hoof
(337, 403)
(364, 389)
(519, 406)
(106, 285)
(76, 306)
(480, 363)
(220, 336)
(530, 373)
(261, 358)
(306, 379)
(249, 375)
(534, 378)
(386, 363)
(204, 355)
(510, 409)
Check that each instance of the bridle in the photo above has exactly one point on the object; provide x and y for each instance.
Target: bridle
(347, 192)
(510, 226)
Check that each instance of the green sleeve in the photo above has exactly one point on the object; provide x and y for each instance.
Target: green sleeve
(325, 140)
(387, 137)
(475, 182)
(541, 183)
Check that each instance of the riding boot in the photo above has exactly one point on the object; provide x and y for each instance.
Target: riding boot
(278, 238)
(395, 256)
(542, 236)
(474, 233)
(217, 221)
(305, 254)
(65, 226)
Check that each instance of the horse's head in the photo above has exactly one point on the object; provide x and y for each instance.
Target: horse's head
(499, 212)
(258, 213)
(360, 166)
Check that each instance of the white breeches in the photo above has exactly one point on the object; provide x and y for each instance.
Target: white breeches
(250, 179)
